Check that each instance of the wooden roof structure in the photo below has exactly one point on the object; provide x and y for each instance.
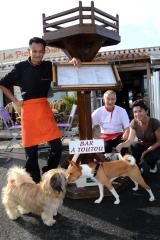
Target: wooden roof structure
(80, 32)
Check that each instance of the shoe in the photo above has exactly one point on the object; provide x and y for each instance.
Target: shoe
(153, 170)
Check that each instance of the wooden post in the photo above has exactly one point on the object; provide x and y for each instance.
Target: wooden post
(92, 13)
(80, 13)
(117, 23)
(43, 21)
(84, 113)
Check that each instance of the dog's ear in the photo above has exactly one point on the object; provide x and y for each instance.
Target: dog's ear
(75, 164)
(55, 183)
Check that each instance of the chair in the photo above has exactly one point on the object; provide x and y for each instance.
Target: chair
(66, 128)
(13, 129)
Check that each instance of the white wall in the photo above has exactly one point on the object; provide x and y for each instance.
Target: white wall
(155, 95)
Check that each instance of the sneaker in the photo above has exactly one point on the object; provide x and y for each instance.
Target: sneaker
(153, 170)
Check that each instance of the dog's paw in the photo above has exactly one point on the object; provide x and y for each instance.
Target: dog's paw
(47, 219)
(151, 199)
(13, 216)
(99, 200)
(49, 222)
(117, 201)
(23, 210)
(55, 213)
(135, 189)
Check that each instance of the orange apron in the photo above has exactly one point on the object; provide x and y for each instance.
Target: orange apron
(38, 123)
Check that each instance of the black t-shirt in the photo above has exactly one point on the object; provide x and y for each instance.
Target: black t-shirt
(34, 81)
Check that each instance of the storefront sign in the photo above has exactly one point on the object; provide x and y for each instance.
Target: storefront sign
(21, 54)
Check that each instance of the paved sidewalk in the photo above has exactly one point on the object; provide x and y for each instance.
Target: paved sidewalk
(134, 219)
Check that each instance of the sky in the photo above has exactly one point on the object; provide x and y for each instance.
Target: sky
(139, 20)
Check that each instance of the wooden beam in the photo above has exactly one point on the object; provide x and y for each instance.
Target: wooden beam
(95, 47)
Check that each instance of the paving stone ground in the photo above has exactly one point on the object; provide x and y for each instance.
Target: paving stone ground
(134, 219)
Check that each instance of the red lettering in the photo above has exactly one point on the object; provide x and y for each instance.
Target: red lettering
(7, 56)
(20, 54)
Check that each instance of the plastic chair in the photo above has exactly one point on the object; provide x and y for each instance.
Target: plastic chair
(67, 127)
(13, 129)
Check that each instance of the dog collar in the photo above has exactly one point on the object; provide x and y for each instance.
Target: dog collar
(96, 170)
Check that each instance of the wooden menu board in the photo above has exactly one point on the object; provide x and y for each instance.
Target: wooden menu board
(90, 76)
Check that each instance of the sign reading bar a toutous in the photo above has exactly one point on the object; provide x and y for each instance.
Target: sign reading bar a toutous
(86, 146)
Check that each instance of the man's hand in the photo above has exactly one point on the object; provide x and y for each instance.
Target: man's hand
(76, 62)
(55, 111)
(19, 103)
(119, 147)
(142, 157)
(125, 134)
(141, 160)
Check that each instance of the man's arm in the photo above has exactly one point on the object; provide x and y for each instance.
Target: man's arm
(125, 134)
(125, 118)
(96, 132)
(128, 142)
(153, 146)
(9, 80)
(7, 92)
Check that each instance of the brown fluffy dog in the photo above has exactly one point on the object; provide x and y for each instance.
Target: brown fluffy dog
(22, 195)
(105, 172)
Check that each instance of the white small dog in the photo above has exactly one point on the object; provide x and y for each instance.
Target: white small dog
(22, 195)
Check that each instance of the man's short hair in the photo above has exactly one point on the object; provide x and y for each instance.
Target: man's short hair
(109, 92)
(37, 40)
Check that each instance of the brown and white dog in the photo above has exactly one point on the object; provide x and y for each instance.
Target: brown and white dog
(105, 172)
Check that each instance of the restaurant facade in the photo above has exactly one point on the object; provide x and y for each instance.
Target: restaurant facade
(139, 70)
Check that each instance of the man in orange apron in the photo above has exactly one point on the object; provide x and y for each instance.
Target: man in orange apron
(34, 77)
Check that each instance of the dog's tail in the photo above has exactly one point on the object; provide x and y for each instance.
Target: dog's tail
(130, 159)
(18, 175)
